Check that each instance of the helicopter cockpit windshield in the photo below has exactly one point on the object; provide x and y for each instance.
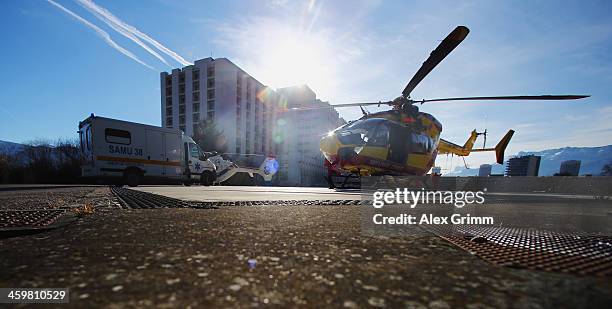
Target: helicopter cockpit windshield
(399, 141)
(370, 131)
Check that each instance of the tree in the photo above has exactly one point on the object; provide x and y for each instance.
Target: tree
(4, 168)
(209, 137)
(68, 157)
(39, 162)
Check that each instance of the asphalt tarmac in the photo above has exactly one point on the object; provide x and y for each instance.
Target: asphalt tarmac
(255, 256)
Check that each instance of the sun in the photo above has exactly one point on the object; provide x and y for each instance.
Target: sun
(294, 58)
(283, 53)
(293, 61)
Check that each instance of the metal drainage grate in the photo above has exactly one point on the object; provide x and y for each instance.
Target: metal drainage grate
(23, 219)
(138, 199)
(533, 249)
(281, 203)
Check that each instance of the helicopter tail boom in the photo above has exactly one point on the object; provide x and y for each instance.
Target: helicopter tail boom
(466, 149)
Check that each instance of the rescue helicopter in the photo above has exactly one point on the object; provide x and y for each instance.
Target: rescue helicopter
(403, 140)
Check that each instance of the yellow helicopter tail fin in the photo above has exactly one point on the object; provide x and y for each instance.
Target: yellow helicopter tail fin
(500, 148)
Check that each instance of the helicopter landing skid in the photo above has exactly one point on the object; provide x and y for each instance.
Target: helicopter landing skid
(349, 181)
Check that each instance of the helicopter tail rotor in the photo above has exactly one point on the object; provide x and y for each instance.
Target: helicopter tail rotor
(484, 134)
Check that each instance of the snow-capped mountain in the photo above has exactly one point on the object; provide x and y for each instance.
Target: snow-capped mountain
(10, 147)
(592, 160)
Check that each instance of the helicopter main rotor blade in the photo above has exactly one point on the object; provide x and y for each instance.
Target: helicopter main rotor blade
(361, 104)
(331, 106)
(517, 97)
(437, 55)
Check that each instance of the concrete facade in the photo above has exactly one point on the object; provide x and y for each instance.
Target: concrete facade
(299, 134)
(217, 89)
(255, 120)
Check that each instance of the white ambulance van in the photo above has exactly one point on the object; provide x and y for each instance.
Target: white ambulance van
(122, 152)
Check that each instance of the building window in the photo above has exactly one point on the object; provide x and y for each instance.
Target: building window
(196, 96)
(196, 86)
(168, 110)
(195, 128)
(169, 91)
(168, 101)
(182, 128)
(196, 74)
(210, 105)
(181, 109)
(116, 136)
(211, 94)
(181, 120)
(211, 115)
(211, 83)
(210, 71)
(181, 88)
(181, 77)
(196, 107)
(196, 117)
(169, 80)
(182, 99)
(169, 122)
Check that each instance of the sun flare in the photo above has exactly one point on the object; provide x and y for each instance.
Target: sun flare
(294, 58)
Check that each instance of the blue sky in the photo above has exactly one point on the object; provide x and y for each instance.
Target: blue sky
(57, 70)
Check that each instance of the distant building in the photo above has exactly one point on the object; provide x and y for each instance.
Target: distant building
(298, 134)
(523, 166)
(436, 170)
(570, 168)
(484, 170)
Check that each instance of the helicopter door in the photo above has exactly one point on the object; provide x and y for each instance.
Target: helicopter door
(376, 141)
(399, 138)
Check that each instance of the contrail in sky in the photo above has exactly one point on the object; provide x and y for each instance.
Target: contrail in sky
(103, 34)
(131, 32)
(123, 31)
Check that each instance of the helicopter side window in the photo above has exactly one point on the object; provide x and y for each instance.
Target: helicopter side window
(378, 137)
(357, 132)
(421, 143)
